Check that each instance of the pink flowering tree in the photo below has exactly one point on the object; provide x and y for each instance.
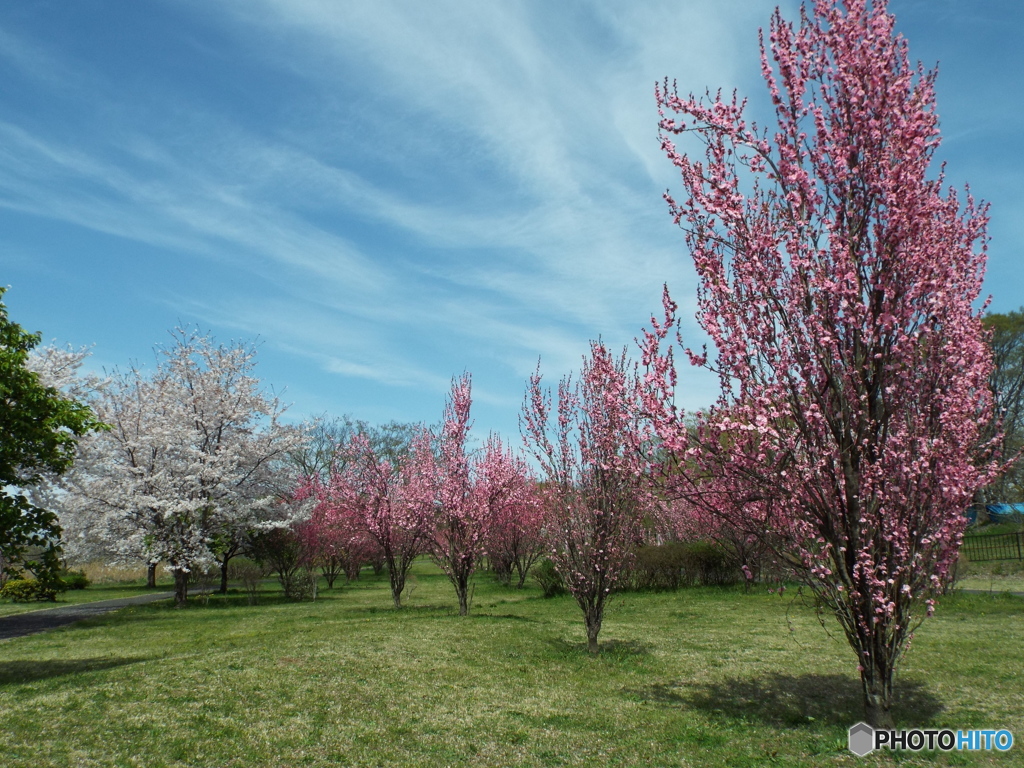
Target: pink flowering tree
(335, 533)
(325, 536)
(461, 521)
(464, 508)
(514, 540)
(380, 501)
(836, 281)
(592, 450)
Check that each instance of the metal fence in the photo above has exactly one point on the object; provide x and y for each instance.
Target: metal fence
(998, 546)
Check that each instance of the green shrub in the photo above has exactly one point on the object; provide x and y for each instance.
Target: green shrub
(681, 564)
(280, 551)
(708, 564)
(658, 567)
(301, 585)
(74, 579)
(550, 580)
(27, 590)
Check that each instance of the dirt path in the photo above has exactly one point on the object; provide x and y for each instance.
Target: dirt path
(21, 624)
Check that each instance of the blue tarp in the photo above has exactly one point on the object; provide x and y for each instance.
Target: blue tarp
(997, 513)
(1004, 513)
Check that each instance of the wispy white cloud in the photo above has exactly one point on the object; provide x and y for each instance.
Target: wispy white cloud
(564, 248)
(435, 186)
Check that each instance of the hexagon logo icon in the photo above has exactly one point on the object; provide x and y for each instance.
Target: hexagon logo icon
(861, 739)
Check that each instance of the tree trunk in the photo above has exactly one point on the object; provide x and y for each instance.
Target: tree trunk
(331, 569)
(460, 580)
(224, 575)
(397, 585)
(592, 619)
(877, 684)
(180, 588)
(980, 504)
(151, 576)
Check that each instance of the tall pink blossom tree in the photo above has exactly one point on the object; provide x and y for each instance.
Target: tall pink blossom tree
(592, 449)
(461, 519)
(836, 281)
(473, 493)
(470, 492)
(326, 537)
(381, 499)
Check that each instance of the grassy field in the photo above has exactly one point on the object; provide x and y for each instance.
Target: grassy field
(993, 575)
(698, 677)
(1007, 576)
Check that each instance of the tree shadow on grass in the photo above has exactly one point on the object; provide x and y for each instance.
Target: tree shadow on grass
(790, 700)
(263, 600)
(504, 616)
(21, 672)
(613, 649)
(409, 611)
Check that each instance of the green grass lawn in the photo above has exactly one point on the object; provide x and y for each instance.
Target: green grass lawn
(701, 677)
(991, 576)
(1010, 581)
(994, 529)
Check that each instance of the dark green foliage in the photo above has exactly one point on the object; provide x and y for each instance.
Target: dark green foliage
(28, 590)
(39, 428)
(550, 581)
(708, 564)
(682, 564)
(280, 551)
(659, 567)
(29, 536)
(1007, 383)
(74, 579)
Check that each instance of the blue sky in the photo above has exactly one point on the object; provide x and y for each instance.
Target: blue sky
(389, 193)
